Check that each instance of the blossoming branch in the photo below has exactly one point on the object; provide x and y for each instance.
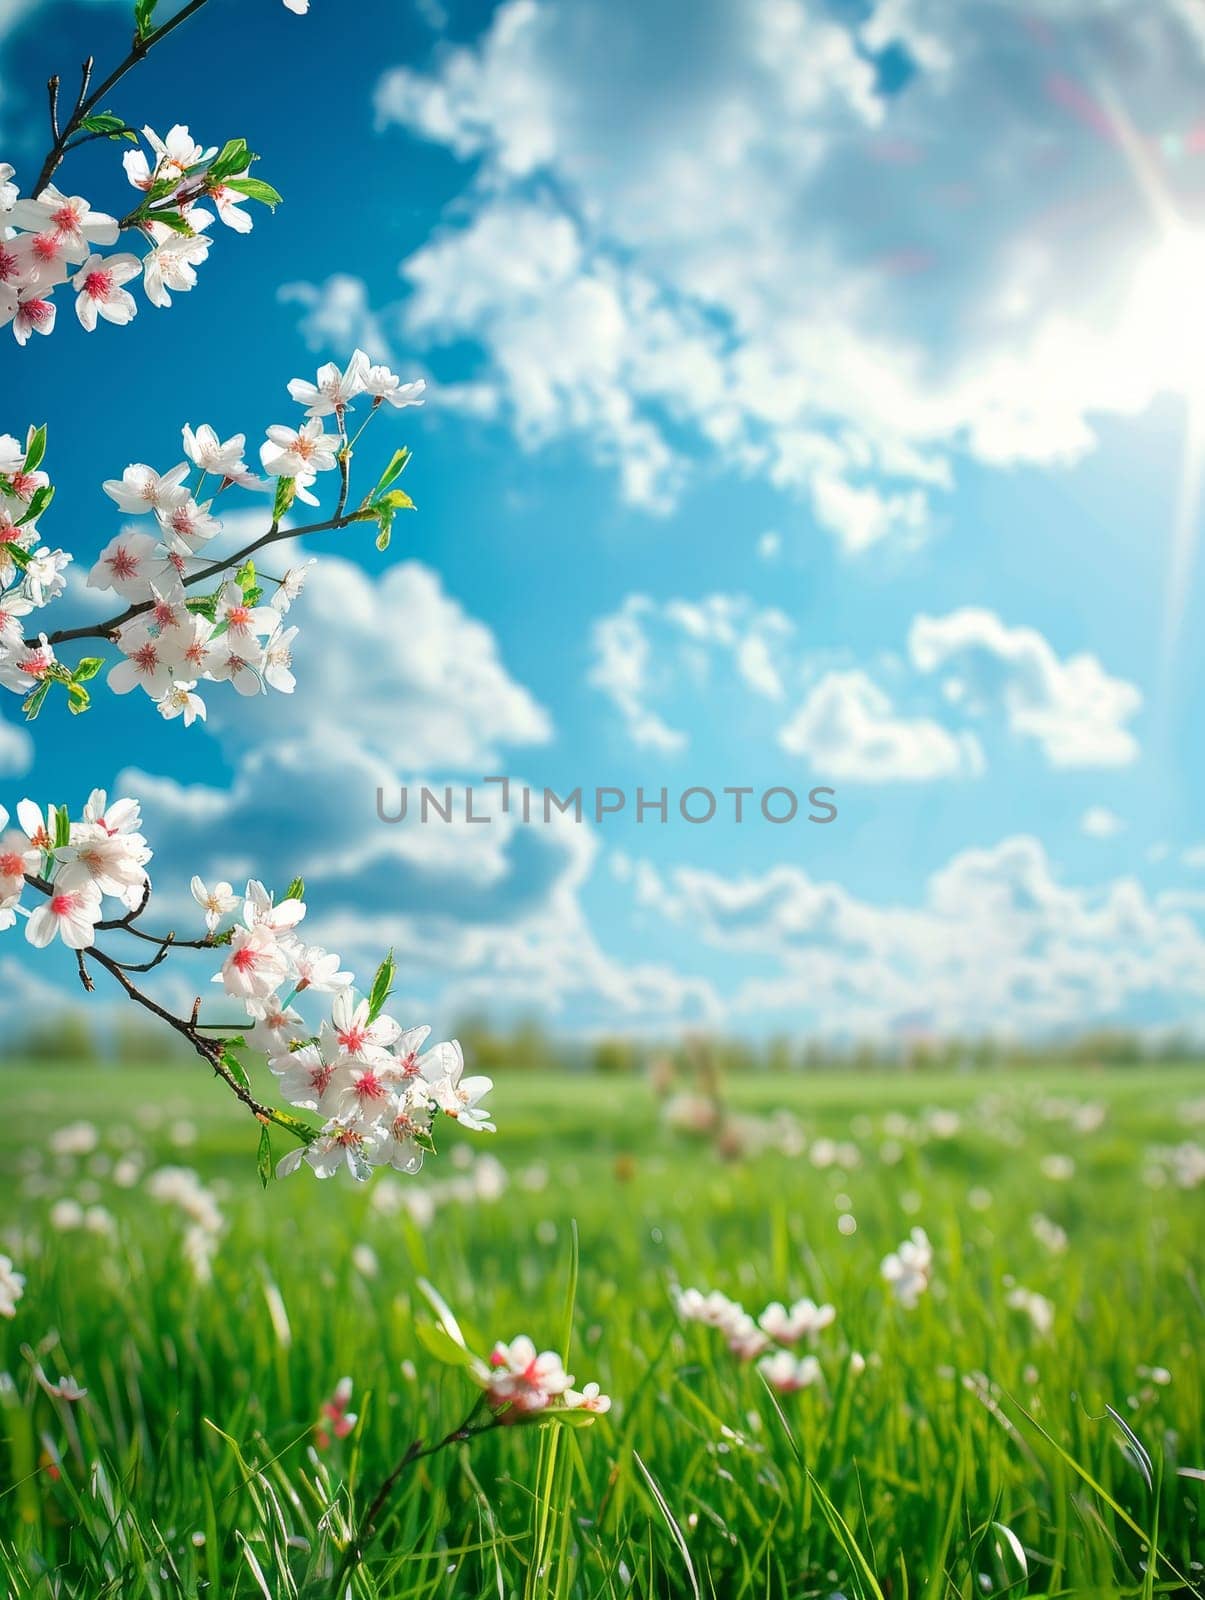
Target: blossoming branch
(378, 1089)
(53, 237)
(191, 616)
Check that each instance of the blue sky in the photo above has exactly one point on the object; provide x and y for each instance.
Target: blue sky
(811, 393)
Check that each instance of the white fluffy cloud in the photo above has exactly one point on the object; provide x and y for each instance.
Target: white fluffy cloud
(670, 230)
(1099, 822)
(16, 750)
(395, 662)
(684, 653)
(996, 942)
(848, 728)
(1071, 706)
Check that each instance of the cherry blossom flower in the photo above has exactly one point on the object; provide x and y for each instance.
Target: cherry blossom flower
(261, 910)
(298, 452)
(803, 1319)
(908, 1268)
(279, 1026)
(171, 267)
(174, 155)
(221, 458)
(68, 914)
(334, 1419)
(35, 313)
(148, 663)
(114, 862)
(590, 1398)
(242, 622)
(382, 384)
(26, 666)
(140, 488)
(187, 526)
(181, 701)
(332, 392)
(68, 216)
(256, 965)
(122, 563)
(44, 574)
(317, 969)
(99, 283)
(17, 857)
(229, 205)
(217, 901)
(238, 663)
(787, 1373)
(522, 1379)
(338, 1147)
(278, 660)
(39, 828)
(352, 1032)
(12, 608)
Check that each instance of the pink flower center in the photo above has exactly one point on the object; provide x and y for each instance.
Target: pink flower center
(36, 312)
(238, 618)
(11, 865)
(64, 905)
(36, 665)
(99, 284)
(353, 1039)
(65, 220)
(122, 564)
(47, 247)
(8, 264)
(246, 959)
(370, 1087)
(146, 657)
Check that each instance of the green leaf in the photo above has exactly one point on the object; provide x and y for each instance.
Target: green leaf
(232, 158)
(385, 524)
(205, 605)
(294, 1125)
(395, 500)
(17, 554)
(263, 1162)
(382, 987)
(108, 122)
(40, 499)
(62, 827)
(35, 448)
(286, 490)
(143, 10)
(171, 220)
(255, 189)
(296, 890)
(87, 668)
(236, 1069)
(34, 700)
(392, 472)
(440, 1344)
(78, 699)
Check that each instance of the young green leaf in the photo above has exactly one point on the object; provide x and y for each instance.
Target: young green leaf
(108, 122)
(264, 1158)
(233, 158)
(236, 1069)
(62, 827)
(286, 489)
(255, 189)
(382, 987)
(87, 668)
(16, 553)
(143, 10)
(39, 500)
(392, 472)
(34, 700)
(296, 890)
(35, 448)
(78, 698)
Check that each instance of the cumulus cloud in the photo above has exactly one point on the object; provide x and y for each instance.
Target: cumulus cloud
(1099, 822)
(336, 315)
(692, 206)
(16, 750)
(681, 653)
(995, 942)
(848, 728)
(1071, 706)
(395, 662)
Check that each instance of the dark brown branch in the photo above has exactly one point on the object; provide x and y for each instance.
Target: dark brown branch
(106, 630)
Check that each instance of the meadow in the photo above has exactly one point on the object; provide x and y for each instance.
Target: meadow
(1030, 1426)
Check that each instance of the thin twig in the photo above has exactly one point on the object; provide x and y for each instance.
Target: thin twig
(86, 103)
(106, 630)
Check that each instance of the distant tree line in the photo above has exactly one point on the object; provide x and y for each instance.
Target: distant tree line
(527, 1046)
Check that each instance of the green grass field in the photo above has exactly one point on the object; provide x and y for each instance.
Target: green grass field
(974, 1454)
